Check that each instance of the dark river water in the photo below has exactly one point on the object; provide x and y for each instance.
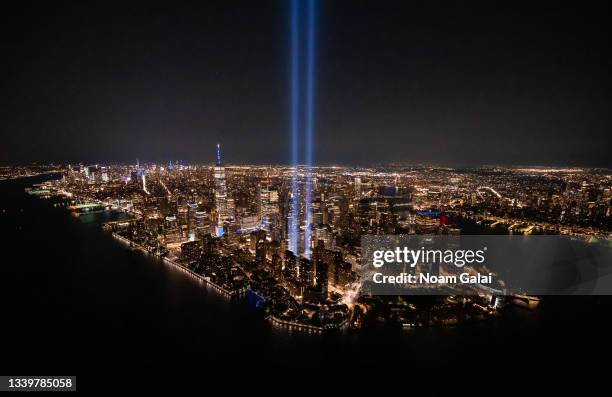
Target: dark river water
(76, 302)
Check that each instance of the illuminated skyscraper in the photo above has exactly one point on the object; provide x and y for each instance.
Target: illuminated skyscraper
(220, 194)
(104, 171)
(268, 202)
(202, 221)
(292, 224)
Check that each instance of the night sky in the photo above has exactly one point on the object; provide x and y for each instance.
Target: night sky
(456, 84)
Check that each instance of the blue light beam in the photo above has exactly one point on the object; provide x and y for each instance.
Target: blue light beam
(310, 61)
(294, 61)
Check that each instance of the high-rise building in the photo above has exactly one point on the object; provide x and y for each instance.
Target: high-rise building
(249, 223)
(220, 194)
(268, 202)
(202, 223)
(357, 188)
(104, 171)
(292, 225)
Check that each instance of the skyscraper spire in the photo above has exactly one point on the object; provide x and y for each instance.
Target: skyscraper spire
(220, 194)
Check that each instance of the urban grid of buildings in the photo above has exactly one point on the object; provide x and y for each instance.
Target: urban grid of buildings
(229, 226)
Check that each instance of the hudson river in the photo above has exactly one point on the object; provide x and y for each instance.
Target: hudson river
(76, 302)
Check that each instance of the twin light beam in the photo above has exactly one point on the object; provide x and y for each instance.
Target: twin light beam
(297, 10)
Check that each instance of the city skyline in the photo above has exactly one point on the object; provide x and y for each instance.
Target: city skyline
(254, 232)
(238, 163)
(369, 194)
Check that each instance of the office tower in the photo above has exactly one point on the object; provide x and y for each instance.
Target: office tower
(323, 233)
(202, 221)
(291, 263)
(268, 202)
(357, 188)
(321, 278)
(220, 194)
(277, 265)
(104, 174)
(292, 224)
(192, 208)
